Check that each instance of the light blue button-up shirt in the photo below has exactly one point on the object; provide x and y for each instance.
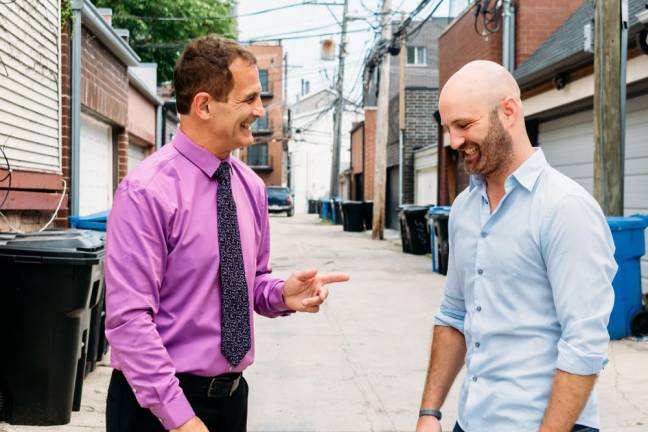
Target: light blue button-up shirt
(530, 287)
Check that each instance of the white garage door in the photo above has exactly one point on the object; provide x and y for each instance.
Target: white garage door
(96, 158)
(426, 186)
(568, 144)
(136, 154)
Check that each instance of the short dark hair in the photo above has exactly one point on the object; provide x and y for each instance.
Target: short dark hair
(204, 66)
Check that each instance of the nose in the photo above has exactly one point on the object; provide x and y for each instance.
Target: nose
(258, 110)
(456, 140)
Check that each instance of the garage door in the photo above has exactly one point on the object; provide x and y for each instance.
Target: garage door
(426, 186)
(568, 144)
(136, 154)
(96, 173)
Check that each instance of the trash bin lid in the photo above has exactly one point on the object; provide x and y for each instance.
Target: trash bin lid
(56, 246)
(439, 210)
(620, 223)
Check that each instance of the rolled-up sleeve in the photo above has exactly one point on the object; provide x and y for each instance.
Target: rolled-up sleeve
(268, 290)
(453, 306)
(135, 260)
(579, 254)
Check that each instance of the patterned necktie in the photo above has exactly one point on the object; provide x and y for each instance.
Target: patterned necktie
(235, 307)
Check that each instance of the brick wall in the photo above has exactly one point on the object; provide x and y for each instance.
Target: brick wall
(357, 140)
(421, 130)
(104, 80)
(61, 219)
(270, 58)
(370, 152)
(122, 155)
(535, 22)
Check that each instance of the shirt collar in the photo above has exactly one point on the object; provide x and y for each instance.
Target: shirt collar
(203, 159)
(526, 175)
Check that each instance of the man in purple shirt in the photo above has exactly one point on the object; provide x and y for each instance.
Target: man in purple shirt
(170, 248)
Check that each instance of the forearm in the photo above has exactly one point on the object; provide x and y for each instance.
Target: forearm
(446, 359)
(568, 397)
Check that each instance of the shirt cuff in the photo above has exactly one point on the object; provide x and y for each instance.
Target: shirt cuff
(449, 319)
(276, 300)
(174, 414)
(574, 361)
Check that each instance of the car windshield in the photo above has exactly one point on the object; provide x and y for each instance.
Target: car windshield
(279, 191)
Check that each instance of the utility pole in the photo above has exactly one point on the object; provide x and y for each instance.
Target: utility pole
(287, 127)
(339, 108)
(382, 128)
(608, 110)
(401, 112)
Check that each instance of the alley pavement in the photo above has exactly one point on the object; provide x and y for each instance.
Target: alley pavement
(359, 365)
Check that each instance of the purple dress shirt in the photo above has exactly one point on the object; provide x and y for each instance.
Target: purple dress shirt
(162, 272)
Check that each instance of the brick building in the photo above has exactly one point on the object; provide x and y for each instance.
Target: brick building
(460, 43)
(363, 156)
(267, 155)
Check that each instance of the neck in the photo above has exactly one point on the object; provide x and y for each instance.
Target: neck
(200, 136)
(520, 155)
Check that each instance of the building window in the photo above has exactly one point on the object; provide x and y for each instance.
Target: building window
(258, 155)
(416, 56)
(261, 123)
(263, 77)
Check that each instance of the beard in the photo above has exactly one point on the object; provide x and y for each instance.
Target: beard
(495, 150)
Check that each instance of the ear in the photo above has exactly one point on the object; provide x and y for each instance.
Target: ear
(510, 109)
(200, 105)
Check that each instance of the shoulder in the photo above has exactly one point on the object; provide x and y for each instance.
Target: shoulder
(247, 175)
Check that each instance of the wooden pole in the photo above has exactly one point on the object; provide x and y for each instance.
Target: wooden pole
(382, 127)
(608, 148)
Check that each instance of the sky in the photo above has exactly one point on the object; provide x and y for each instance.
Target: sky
(304, 60)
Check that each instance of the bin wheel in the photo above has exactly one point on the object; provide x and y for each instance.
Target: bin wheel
(639, 324)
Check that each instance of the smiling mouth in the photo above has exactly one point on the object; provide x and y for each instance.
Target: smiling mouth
(246, 125)
(470, 153)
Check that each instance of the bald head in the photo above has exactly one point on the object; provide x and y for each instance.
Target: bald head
(481, 82)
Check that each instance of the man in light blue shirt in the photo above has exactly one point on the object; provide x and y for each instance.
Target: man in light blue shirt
(529, 287)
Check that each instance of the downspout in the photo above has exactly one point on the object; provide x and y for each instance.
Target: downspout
(75, 107)
(508, 35)
(158, 127)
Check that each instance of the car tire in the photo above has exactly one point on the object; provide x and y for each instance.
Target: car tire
(289, 213)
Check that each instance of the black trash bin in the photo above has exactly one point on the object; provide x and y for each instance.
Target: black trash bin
(353, 216)
(368, 214)
(48, 282)
(439, 244)
(97, 343)
(337, 212)
(414, 231)
(312, 206)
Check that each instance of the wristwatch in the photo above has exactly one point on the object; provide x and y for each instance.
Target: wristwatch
(430, 412)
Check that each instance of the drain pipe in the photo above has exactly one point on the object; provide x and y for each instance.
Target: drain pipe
(75, 106)
(508, 35)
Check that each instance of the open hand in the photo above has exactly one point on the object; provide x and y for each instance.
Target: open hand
(305, 291)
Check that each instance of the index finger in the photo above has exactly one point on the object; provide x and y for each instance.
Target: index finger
(334, 277)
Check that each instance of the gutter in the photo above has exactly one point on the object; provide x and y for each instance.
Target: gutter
(85, 14)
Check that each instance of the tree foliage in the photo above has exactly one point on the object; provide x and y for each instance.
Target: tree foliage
(160, 29)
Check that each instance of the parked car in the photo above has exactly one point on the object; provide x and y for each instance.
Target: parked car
(280, 200)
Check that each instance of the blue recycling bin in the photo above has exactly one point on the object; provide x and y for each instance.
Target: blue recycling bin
(437, 218)
(324, 212)
(628, 235)
(97, 343)
(95, 222)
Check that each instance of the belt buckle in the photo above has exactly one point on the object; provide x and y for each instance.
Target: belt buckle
(235, 385)
(214, 391)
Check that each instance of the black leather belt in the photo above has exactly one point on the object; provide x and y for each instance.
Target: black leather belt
(211, 387)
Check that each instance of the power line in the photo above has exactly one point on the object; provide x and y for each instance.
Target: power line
(228, 17)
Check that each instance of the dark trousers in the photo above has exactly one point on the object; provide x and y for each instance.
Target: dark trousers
(577, 428)
(220, 414)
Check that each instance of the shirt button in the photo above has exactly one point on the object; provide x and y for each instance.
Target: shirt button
(474, 379)
(484, 234)
(480, 271)
(478, 308)
(477, 344)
